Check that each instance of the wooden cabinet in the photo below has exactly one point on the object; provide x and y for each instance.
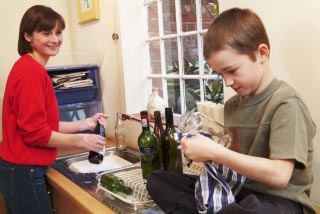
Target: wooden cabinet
(69, 198)
(2, 205)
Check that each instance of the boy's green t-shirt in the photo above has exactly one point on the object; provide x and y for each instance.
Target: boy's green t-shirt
(275, 124)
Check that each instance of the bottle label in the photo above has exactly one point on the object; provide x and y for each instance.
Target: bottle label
(102, 151)
(148, 149)
(144, 122)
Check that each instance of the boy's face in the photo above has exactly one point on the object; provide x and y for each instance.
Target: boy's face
(238, 71)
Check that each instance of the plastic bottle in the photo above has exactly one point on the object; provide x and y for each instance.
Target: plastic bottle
(97, 157)
(148, 147)
(172, 159)
(120, 133)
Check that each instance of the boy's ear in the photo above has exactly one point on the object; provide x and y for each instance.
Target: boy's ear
(263, 51)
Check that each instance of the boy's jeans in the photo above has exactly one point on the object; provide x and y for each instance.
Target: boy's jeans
(24, 188)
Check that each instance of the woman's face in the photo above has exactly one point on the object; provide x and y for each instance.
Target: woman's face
(239, 71)
(46, 43)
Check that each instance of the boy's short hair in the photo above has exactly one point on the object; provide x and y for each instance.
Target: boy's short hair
(239, 29)
(37, 18)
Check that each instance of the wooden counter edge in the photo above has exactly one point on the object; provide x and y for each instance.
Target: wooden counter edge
(83, 199)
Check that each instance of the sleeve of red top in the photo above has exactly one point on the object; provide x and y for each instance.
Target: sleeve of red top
(31, 113)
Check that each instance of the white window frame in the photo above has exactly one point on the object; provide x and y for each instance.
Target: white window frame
(179, 35)
(132, 57)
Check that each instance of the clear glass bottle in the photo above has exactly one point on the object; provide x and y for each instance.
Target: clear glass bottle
(120, 133)
(172, 158)
(97, 157)
(158, 131)
(155, 103)
(148, 147)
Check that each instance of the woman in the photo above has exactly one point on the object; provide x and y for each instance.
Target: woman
(30, 118)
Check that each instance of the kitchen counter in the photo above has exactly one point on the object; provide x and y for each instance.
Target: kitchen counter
(70, 198)
(75, 192)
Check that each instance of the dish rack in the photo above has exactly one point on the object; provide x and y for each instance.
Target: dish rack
(133, 179)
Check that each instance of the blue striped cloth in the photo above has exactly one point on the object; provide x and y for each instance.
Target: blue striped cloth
(216, 187)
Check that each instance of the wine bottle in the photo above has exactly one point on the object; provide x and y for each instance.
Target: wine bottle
(158, 131)
(148, 147)
(115, 184)
(97, 157)
(172, 159)
(120, 133)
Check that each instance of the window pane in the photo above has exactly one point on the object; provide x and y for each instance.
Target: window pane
(169, 17)
(190, 55)
(173, 87)
(214, 90)
(155, 61)
(153, 25)
(171, 56)
(192, 90)
(188, 15)
(208, 12)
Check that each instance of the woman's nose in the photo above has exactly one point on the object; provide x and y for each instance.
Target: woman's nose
(55, 38)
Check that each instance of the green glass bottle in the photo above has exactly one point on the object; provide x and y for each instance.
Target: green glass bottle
(115, 184)
(148, 147)
(158, 131)
(172, 159)
(97, 157)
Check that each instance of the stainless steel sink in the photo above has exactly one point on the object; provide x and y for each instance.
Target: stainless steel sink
(113, 160)
(90, 181)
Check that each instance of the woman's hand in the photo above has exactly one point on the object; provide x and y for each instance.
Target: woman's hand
(91, 122)
(93, 142)
(199, 148)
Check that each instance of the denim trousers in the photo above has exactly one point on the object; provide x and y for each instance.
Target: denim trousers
(24, 188)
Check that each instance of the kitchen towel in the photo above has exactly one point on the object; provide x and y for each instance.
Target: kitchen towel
(216, 187)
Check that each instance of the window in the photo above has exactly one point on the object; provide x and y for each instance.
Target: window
(175, 61)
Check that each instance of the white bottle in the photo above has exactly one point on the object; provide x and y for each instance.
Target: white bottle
(155, 103)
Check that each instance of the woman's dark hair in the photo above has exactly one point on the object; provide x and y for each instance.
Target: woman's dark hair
(239, 29)
(37, 18)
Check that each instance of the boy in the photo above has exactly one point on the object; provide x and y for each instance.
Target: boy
(271, 125)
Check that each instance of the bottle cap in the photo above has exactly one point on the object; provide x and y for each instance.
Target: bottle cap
(143, 112)
(168, 109)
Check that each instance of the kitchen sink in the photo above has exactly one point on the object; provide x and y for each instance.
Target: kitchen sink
(113, 160)
(88, 178)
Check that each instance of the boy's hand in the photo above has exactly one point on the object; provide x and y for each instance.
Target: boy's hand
(199, 148)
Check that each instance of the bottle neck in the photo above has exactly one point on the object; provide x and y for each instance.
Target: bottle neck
(169, 120)
(119, 116)
(145, 122)
(157, 122)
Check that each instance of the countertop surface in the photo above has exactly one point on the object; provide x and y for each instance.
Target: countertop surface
(86, 201)
(84, 186)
